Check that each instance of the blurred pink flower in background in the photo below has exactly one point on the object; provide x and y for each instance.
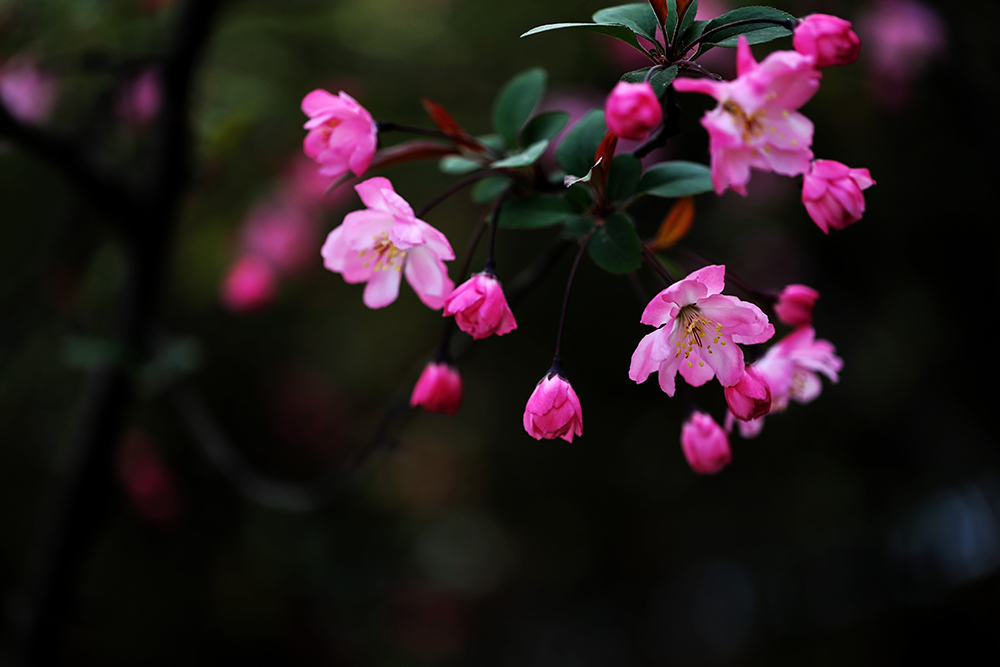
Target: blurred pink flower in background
(902, 37)
(283, 234)
(249, 285)
(28, 92)
(148, 482)
(795, 304)
(138, 100)
(828, 38)
(831, 193)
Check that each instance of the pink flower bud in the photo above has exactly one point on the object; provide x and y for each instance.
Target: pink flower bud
(480, 308)
(750, 397)
(439, 389)
(632, 110)
(342, 134)
(828, 38)
(705, 444)
(831, 193)
(250, 285)
(795, 305)
(553, 411)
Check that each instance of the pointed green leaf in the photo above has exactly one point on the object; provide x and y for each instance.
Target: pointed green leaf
(576, 152)
(489, 189)
(689, 16)
(694, 31)
(516, 101)
(676, 179)
(660, 80)
(617, 31)
(535, 211)
(756, 33)
(624, 177)
(544, 126)
(456, 165)
(637, 17)
(615, 246)
(525, 157)
(577, 227)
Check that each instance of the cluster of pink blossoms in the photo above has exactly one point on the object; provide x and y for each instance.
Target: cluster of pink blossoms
(699, 331)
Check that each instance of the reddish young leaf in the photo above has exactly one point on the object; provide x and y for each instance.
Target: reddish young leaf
(447, 124)
(410, 151)
(602, 159)
(682, 7)
(675, 225)
(660, 8)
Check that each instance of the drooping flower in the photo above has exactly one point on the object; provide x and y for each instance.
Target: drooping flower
(792, 368)
(342, 134)
(439, 389)
(795, 304)
(480, 307)
(553, 410)
(828, 38)
(632, 110)
(831, 193)
(756, 123)
(705, 444)
(750, 397)
(380, 244)
(699, 328)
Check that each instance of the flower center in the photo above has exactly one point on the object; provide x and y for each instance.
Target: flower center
(752, 125)
(696, 330)
(384, 254)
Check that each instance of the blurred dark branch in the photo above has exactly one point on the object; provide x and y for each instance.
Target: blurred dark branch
(85, 493)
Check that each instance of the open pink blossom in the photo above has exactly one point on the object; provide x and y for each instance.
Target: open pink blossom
(756, 123)
(632, 110)
(699, 331)
(828, 38)
(439, 389)
(480, 307)
(795, 304)
(705, 444)
(792, 368)
(750, 397)
(831, 193)
(553, 411)
(380, 244)
(342, 134)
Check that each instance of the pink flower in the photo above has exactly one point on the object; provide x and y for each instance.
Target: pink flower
(750, 397)
(791, 369)
(705, 444)
(439, 389)
(699, 330)
(249, 286)
(795, 304)
(138, 101)
(632, 110)
(378, 245)
(480, 308)
(553, 411)
(342, 134)
(831, 193)
(282, 232)
(828, 38)
(756, 123)
(28, 92)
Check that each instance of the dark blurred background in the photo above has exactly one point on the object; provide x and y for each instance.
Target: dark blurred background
(863, 528)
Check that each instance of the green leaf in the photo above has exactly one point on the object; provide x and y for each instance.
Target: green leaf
(693, 32)
(660, 80)
(689, 16)
(615, 247)
(535, 211)
(489, 189)
(525, 157)
(637, 17)
(491, 140)
(577, 227)
(516, 101)
(756, 33)
(624, 177)
(576, 152)
(617, 31)
(544, 126)
(676, 179)
(580, 196)
(671, 22)
(456, 165)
